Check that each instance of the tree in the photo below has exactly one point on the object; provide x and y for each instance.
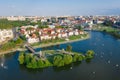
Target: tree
(69, 48)
(23, 37)
(19, 41)
(61, 63)
(80, 58)
(21, 58)
(75, 57)
(79, 27)
(27, 58)
(56, 60)
(5, 24)
(90, 54)
(34, 62)
(67, 59)
(47, 63)
(40, 63)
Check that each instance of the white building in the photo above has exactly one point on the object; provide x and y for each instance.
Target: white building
(43, 20)
(33, 40)
(76, 33)
(59, 35)
(6, 34)
(64, 35)
(71, 33)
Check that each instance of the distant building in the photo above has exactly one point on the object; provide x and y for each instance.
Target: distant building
(16, 18)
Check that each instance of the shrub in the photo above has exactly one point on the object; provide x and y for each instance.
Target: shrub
(90, 54)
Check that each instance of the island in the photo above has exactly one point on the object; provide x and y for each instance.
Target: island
(56, 58)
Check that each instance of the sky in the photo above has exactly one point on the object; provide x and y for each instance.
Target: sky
(59, 7)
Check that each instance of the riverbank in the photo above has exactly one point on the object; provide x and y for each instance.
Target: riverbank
(45, 45)
(108, 29)
(57, 43)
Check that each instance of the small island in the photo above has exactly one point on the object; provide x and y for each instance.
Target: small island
(56, 58)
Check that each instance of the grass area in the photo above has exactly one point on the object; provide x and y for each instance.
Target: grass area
(48, 42)
(11, 45)
(77, 37)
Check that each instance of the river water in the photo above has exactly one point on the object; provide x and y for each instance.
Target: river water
(105, 65)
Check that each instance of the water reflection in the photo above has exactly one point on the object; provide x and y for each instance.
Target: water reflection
(88, 60)
(64, 68)
(77, 64)
(2, 63)
(33, 71)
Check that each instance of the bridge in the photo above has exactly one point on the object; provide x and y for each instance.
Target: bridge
(30, 48)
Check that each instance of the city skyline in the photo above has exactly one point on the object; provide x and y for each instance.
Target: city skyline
(58, 7)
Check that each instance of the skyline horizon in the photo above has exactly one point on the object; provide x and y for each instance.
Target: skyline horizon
(56, 15)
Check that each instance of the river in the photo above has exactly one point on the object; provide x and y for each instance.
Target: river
(105, 65)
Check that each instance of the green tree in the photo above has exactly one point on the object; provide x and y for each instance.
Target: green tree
(67, 59)
(19, 41)
(80, 58)
(5, 24)
(75, 57)
(29, 65)
(61, 63)
(57, 59)
(90, 54)
(69, 48)
(21, 58)
(34, 62)
(79, 27)
(41, 63)
(27, 58)
(47, 63)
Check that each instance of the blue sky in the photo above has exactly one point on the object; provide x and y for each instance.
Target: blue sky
(59, 7)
